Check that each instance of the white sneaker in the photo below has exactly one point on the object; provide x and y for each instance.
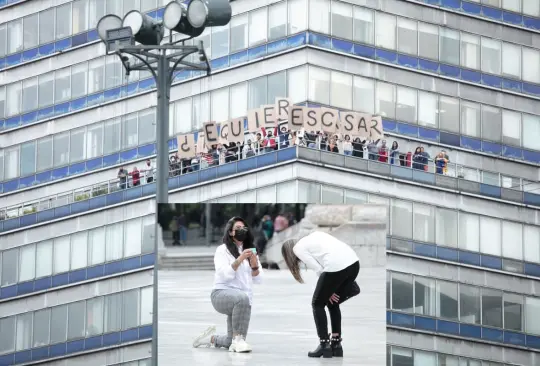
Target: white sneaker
(239, 345)
(205, 338)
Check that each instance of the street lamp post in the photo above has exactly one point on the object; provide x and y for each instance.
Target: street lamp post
(162, 60)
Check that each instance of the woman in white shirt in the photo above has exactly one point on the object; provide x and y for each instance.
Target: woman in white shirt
(237, 268)
(337, 266)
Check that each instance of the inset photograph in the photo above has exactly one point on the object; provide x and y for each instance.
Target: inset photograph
(267, 284)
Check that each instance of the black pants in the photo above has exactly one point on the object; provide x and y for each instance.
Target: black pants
(341, 283)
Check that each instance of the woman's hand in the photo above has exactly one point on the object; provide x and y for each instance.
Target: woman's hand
(248, 253)
(253, 261)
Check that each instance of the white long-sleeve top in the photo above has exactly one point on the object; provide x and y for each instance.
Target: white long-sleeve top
(227, 278)
(321, 252)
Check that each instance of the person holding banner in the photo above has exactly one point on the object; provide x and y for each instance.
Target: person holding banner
(237, 269)
(337, 266)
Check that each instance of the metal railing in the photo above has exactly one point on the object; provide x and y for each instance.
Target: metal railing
(425, 163)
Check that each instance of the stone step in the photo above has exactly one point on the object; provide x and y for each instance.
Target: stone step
(188, 263)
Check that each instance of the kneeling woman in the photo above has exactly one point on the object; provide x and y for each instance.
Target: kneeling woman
(337, 266)
(237, 268)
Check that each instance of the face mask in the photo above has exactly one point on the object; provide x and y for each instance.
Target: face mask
(241, 234)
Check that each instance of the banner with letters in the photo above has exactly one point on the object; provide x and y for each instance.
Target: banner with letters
(281, 113)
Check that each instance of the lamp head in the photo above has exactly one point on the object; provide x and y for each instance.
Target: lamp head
(106, 23)
(145, 30)
(175, 19)
(209, 13)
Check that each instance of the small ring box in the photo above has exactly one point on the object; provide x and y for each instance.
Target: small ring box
(254, 250)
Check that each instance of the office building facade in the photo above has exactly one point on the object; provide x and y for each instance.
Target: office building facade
(463, 243)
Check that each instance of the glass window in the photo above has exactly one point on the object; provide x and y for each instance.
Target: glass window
(147, 5)
(29, 94)
(319, 16)
(238, 100)
(113, 72)
(470, 51)
(469, 304)
(182, 121)
(61, 254)
(296, 84)
(490, 236)
(61, 149)
(132, 5)
(363, 25)
(63, 28)
(146, 305)
(94, 141)
(220, 41)
(15, 36)
(62, 85)
(428, 41)
(531, 65)
(147, 126)
(239, 32)
(332, 195)
(11, 163)
(492, 307)
(257, 92)
(491, 123)
(28, 158)
(449, 114)
(427, 109)
(447, 303)
(206, 40)
(76, 320)
(470, 119)
(46, 26)
(44, 258)
(7, 330)
(59, 319)
(132, 240)
(363, 95)
(511, 127)
(407, 36)
(258, 25)
(297, 16)
(277, 21)
(14, 96)
(402, 218)
(531, 8)
(531, 237)
(424, 296)
(532, 314)
(44, 154)
(80, 16)
(114, 240)
(31, 25)
(3, 41)
(424, 223)
(402, 356)
(1, 165)
(513, 5)
(491, 56)
(24, 331)
(449, 43)
(201, 109)
(42, 319)
(111, 136)
(46, 89)
(220, 105)
(319, 85)
(446, 232)
(469, 232)
(513, 312)
(129, 131)
(96, 246)
(277, 86)
(77, 149)
(2, 101)
(96, 75)
(94, 316)
(148, 228)
(511, 60)
(131, 310)
(512, 240)
(79, 78)
(342, 20)
(531, 130)
(10, 264)
(386, 100)
(79, 250)
(385, 31)
(27, 264)
(341, 93)
(406, 104)
(113, 313)
(402, 292)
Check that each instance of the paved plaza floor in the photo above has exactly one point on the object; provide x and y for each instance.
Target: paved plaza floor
(281, 331)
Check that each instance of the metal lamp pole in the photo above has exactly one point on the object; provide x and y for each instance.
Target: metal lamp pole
(163, 67)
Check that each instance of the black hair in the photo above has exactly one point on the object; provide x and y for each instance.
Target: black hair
(248, 243)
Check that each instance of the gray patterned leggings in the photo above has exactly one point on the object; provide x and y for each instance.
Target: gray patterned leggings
(234, 304)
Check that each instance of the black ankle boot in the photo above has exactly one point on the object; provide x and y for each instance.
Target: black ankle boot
(324, 349)
(335, 343)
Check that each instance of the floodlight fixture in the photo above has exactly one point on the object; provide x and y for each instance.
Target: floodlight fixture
(145, 30)
(209, 13)
(175, 19)
(107, 23)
